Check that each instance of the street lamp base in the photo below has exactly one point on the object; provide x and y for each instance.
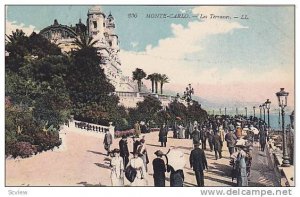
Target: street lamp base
(285, 163)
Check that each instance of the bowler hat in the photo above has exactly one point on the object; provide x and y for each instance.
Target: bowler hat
(158, 153)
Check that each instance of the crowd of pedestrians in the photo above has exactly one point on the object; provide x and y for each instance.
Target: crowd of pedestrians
(239, 133)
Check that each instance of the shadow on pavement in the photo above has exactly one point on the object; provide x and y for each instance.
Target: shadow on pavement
(183, 147)
(98, 153)
(226, 183)
(153, 145)
(90, 185)
(102, 165)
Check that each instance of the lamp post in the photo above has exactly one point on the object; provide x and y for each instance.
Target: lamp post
(264, 108)
(268, 103)
(225, 111)
(260, 107)
(253, 111)
(220, 111)
(282, 101)
(246, 111)
(236, 111)
(187, 94)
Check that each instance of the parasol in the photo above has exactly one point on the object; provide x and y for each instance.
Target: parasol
(254, 130)
(176, 159)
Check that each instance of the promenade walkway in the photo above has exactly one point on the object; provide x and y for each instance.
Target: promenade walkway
(82, 162)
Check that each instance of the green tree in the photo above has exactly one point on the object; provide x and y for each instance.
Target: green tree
(138, 75)
(163, 79)
(89, 89)
(156, 77)
(84, 41)
(196, 113)
(151, 78)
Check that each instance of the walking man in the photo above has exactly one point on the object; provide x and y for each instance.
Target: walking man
(203, 137)
(230, 138)
(107, 141)
(124, 152)
(198, 162)
(163, 133)
(218, 143)
(262, 139)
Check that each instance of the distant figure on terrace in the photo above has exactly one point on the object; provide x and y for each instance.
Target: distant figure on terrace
(107, 141)
(262, 139)
(203, 137)
(137, 128)
(163, 135)
(181, 131)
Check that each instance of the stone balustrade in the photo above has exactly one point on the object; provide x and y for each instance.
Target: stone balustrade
(94, 127)
(285, 175)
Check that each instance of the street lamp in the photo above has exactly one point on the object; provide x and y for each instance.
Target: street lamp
(236, 111)
(246, 111)
(268, 103)
(225, 111)
(264, 108)
(260, 107)
(220, 111)
(253, 111)
(188, 93)
(282, 101)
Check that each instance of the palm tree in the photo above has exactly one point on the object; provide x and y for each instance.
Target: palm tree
(163, 79)
(84, 41)
(138, 75)
(17, 36)
(156, 77)
(151, 77)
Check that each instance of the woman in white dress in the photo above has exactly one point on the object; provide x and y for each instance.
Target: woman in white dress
(117, 169)
(138, 164)
(142, 152)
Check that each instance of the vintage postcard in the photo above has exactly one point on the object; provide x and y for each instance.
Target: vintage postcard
(150, 95)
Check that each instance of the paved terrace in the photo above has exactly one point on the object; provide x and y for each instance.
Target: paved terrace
(81, 161)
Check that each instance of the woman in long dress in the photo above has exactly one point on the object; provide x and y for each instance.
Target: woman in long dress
(142, 151)
(117, 169)
(138, 164)
(242, 179)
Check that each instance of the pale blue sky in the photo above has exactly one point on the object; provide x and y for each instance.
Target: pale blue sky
(260, 48)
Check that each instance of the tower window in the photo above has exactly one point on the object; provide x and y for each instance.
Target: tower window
(103, 24)
(95, 24)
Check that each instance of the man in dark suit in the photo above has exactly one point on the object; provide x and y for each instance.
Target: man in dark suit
(124, 152)
(198, 163)
(218, 143)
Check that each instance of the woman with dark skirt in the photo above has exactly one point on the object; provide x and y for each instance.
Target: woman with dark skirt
(159, 169)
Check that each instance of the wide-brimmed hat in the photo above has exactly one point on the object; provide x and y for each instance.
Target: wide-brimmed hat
(116, 150)
(135, 136)
(158, 153)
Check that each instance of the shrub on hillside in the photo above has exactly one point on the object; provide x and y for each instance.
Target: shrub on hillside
(22, 149)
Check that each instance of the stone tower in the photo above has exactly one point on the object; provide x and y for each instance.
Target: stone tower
(96, 23)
